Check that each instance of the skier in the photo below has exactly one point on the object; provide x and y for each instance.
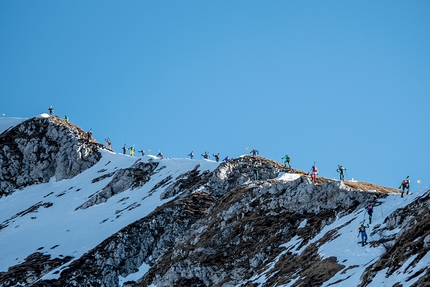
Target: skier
(255, 172)
(216, 157)
(362, 231)
(191, 155)
(51, 110)
(131, 150)
(160, 155)
(226, 159)
(90, 135)
(66, 118)
(405, 185)
(370, 212)
(286, 160)
(314, 173)
(108, 143)
(124, 149)
(205, 155)
(254, 152)
(341, 170)
(142, 152)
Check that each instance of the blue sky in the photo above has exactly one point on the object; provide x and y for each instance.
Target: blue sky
(336, 82)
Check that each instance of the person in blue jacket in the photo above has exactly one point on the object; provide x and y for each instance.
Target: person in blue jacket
(362, 231)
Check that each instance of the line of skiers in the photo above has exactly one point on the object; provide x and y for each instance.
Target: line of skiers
(362, 227)
(405, 185)
(66, 119)
(51, 113)
(205, 155)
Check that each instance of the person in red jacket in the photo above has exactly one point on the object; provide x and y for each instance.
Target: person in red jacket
(314, 173)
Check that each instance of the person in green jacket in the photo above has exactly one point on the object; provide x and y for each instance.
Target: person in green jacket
(341, 171)
(286, 159)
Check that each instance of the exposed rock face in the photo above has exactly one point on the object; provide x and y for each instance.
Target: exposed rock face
(40, 148)
(133, 177)
(247, 226)
(30, 271)
(412, 241)
(138, 243)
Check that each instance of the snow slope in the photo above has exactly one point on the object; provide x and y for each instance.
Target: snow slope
(60, 229)
(6, 123)
(346, 246)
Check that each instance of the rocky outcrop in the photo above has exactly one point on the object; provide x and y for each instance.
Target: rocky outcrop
(35, 265)
(41, 148)
(133, 177)
(142, 242)
(247, 226)
(406, 235)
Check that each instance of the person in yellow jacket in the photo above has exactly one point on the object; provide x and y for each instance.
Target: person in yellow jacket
(131, 150)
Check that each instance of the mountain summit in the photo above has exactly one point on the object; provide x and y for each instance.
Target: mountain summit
(74, 213)
(40, 148)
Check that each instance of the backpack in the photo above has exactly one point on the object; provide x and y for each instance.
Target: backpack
(404, 182)
(314, 169)
(361, 228)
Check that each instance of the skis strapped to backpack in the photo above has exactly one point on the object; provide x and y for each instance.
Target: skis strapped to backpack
(400, 186)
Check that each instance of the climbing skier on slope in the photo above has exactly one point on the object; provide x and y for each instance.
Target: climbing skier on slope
(131, 150)
(90, 135)
(205, 155)
(109, 144)
(124, 149)
(405, 185)
(191, 155)
(341, 170)
(314, 173)
(286, 159)
(51, 110)
(142, 152)
(226, 159)
(362, 231)
(255, 172)
(254, 152)
(370, 212)
(216, 156)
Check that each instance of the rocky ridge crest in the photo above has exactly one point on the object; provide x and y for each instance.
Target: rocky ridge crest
(41, 148)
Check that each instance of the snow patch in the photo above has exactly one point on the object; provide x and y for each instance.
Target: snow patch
(134, 276)
(288, 176)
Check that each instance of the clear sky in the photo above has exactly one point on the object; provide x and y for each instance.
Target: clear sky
(335, 82)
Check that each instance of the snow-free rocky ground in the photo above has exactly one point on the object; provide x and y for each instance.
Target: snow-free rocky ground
(74, 213)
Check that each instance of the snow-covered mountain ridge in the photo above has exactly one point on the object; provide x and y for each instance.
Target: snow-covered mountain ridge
(74, 213)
